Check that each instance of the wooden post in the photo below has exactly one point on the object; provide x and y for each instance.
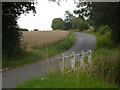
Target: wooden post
(82, 59)
(73, 62)
(90, 57)
(62, 63)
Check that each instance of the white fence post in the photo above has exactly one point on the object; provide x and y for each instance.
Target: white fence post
(90, 57)
(62, 63)
(82, 59)
(73, 62)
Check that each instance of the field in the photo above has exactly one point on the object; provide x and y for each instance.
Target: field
(43, 38)
(61, 40)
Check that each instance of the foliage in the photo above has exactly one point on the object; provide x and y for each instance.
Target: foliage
(79, 24)
(103, 29)
(68, 20)
(107, 68)
(102, 13)
(35, 30)
(37, 53)
(22, 29)
(58, 24)
(106, 59)
(10, 35)
(83, 26)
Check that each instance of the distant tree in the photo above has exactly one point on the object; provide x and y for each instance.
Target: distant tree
(22, 29)
(83, 25)
(10, 35)
(35, 30)
(77, 23)
(68, 20)
(58, 23)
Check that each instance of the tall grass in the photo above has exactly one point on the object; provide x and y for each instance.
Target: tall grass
(37, 53)
(106, 59)
(71, 80)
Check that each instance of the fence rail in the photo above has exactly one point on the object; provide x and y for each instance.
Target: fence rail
(73, 61)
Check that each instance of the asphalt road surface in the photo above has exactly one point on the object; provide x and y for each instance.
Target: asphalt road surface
(16, 76)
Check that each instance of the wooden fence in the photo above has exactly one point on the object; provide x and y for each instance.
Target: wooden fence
(73, 60)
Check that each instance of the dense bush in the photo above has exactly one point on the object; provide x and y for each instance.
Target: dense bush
(107, 68)
(103, 29)
(83, 26)
(79, 24)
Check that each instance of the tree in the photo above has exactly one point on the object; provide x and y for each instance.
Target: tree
(79, 24)
(68, 20)
(58, 23)
(102, 13)
(35, 30)
(75, 23)
(23, 29)
(10, 35)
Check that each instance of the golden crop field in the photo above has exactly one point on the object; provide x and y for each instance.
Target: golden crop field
(43, 38)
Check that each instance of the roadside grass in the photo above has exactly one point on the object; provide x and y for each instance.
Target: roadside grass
(37, 53)
(72, 80)
(106, 59)
(103, 74)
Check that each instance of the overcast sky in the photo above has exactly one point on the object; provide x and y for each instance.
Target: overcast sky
(46, 12)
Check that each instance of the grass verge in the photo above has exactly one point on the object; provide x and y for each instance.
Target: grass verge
(72, 80)
(106, 59)
(102, 75)
(37, 53)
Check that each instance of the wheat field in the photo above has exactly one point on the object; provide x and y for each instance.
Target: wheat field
(43, 38)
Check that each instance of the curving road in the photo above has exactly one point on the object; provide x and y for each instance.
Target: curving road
(16, 76)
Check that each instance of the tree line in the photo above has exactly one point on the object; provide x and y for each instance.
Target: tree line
(70, 22)
(100, 14)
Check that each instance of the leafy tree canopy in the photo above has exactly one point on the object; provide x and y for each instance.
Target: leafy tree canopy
(10, 35)
(79, 24)
(68, 20)
(102, 13)
(58, 23)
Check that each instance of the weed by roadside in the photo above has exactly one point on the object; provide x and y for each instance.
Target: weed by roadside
(71, 80)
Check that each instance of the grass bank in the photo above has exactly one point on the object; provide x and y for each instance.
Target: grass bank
(37, 53)
(106, 59)
(72, 80)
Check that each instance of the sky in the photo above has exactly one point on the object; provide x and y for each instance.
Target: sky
(46, 12)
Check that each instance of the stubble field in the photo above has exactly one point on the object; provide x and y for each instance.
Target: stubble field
(43, 38)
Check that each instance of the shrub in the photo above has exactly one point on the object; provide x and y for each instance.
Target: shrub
(107, 68)
(79, 24)
(83, 26)
(103, 29)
